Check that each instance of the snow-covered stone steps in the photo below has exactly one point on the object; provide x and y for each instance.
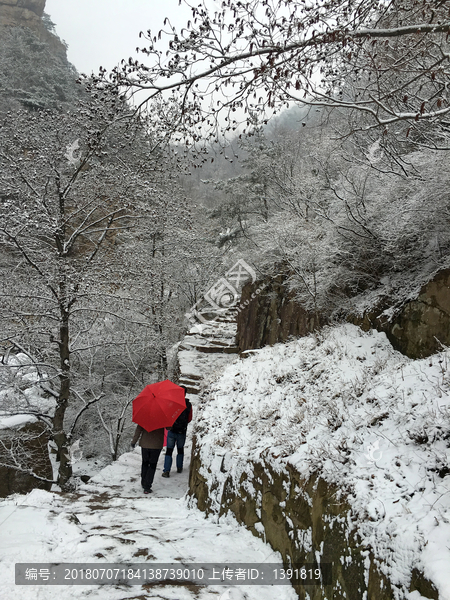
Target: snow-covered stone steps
(226, 319)
(210, 349)
(205, 348)
(220, 343)
(192, 385)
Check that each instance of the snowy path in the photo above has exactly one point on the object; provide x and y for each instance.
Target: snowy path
(110, 520)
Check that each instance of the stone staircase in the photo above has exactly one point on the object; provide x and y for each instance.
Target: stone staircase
(206, 348)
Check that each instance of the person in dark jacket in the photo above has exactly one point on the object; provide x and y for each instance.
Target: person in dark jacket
(151, 443)
(177, 436)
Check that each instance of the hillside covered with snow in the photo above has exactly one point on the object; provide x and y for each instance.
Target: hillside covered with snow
(344, 405)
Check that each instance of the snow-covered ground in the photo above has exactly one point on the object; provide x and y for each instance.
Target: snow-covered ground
(110, 520)
(341, 403)
(344, 404)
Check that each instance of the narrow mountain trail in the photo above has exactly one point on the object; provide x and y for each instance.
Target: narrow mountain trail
(205, 349)
(110, 520)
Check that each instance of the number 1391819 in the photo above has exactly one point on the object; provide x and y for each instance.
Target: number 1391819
(300, 575)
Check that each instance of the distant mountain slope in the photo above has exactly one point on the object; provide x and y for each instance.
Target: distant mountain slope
(34, 70)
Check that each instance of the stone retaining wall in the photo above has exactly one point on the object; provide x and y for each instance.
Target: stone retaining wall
(271, 316)
(305, 521)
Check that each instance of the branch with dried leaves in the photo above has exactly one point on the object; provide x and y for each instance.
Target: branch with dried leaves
(388, 60)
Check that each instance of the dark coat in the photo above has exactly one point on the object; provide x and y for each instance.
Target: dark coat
(180, 425)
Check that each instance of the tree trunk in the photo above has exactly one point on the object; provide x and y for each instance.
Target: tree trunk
(162, 363)
(60, 436)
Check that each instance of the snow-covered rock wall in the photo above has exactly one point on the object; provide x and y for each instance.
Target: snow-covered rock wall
(422, 326)
(23, 438)
(25, 446)
(335, 448)
(417, 327)
(272, 316)
(304, 520)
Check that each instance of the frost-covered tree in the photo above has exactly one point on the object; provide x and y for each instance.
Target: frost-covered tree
(81, 194)
(342, 224)
(288, 170)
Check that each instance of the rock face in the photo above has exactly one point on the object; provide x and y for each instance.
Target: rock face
(418, 329)
(271, 316)
(303, 520)
(28, 13)
(422, 326)
(35, 446)
(22, 12)
(306, 520)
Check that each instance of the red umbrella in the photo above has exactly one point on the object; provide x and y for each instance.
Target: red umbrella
(158, 405)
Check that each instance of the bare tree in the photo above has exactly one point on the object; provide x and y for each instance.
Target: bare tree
(388, 60)
(76, 190)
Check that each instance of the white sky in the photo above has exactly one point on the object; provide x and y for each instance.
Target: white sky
(103, 32)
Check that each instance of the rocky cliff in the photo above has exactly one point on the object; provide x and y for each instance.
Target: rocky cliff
(287, 440)
(418, 329)
(28, 13)
(301, 519)
(421, 327)
(272, 315)
(34, 68)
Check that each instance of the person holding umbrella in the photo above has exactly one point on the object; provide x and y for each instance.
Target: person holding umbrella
(177, 436)
(156, 407)
(151, 443)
